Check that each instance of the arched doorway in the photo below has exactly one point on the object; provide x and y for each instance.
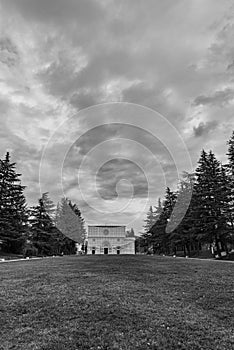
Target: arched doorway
(106, 247)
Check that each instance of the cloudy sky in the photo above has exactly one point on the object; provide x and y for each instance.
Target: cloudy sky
(80, 81)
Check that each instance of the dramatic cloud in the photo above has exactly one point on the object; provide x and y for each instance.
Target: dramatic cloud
(112, 172)
(204, 128)
(219, 98)
(8, 52)
(60, 57)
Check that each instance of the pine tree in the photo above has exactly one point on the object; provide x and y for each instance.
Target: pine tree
(159, 237)
(227, 209)
(45, 236)
(41, 214)
(146, 235)
(211, 202)
(77, 212)
(183, 218)
(168, 206)
(169, 203)
(230, 184)
(42, 225)
(150, 220)
(230, 155)
(13, 208)
(49, 206)
(158, 209)
(69, 221)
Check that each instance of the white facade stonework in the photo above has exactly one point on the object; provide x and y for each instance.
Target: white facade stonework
(109, 240)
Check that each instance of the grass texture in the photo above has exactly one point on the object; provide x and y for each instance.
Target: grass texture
(117, 302)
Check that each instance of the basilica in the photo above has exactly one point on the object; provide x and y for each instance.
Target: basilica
(109, 240)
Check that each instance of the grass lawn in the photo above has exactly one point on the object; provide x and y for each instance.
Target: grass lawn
(117, 302)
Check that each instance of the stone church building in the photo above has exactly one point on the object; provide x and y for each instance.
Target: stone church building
(109, 240)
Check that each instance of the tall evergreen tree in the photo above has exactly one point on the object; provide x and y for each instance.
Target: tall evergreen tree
(146, 235)
(158, 209)
(40, 214)
(45, 236)
(69, 220)
(230, 154)
(159, 237)
(42, 225)
(77, 212)
(49, 207)
(13, 208)
(227, 209)
(150, 220)
(183, 218)
(211, 202)
(230, 182)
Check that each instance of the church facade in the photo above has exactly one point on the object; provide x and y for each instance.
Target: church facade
(109, 240)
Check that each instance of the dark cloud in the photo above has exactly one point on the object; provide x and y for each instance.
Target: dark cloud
(222, 50)
(9, 54)
(219, 98)
(58, 10)
(157, 163)
(83, 99)
(116, 170)
(90, 139)
(95, 136)
(204, 128)
(61, 79)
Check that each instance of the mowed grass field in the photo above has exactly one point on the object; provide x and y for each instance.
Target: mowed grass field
(117, 302)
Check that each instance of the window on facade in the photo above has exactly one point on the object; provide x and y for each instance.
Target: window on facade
(93, 239)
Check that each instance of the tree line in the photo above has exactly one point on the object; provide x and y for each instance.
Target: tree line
(41, 230)
(209, 219)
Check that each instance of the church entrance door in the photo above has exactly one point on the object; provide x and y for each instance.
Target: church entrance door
(105, 250)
